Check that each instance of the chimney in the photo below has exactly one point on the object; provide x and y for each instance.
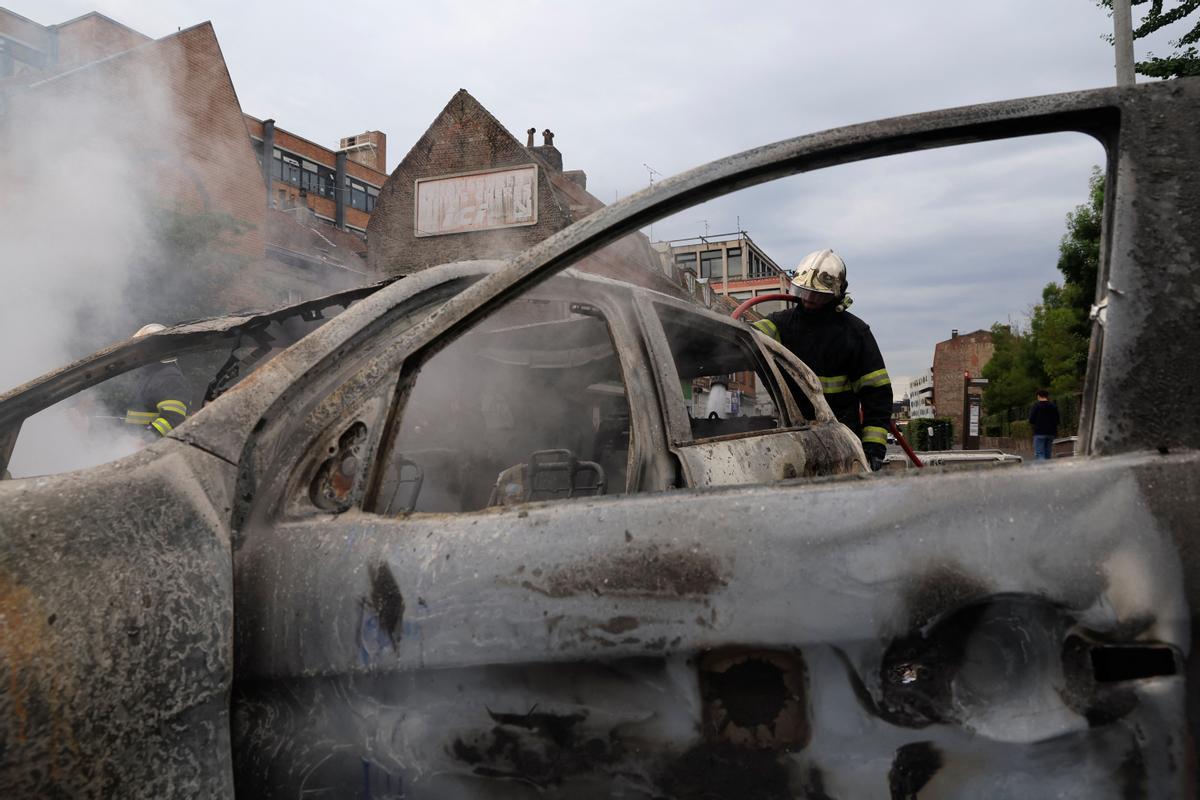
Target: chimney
(577, 177)
(368, 149)
(954, 333)
(548, 152)
(529, 137)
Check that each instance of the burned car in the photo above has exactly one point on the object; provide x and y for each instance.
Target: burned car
(382, 565)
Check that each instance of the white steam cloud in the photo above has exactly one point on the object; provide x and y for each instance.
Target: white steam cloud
(73, 223)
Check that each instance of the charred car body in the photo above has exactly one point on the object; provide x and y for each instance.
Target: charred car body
(313, 588)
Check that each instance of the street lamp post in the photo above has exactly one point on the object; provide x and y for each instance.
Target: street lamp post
(1123, 41)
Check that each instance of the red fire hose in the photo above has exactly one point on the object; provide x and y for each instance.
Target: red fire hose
(753, 301)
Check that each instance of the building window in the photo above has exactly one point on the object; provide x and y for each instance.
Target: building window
(356, 193)
(290, 170)
(309, 180)
(372, 196)
(759, 267)
(686, 261)
(734, 255)
(326, 182)
(710, 264)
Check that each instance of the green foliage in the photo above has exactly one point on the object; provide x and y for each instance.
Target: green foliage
(1079, 250)
(1186, 60)
(1014, 371)
(1056, 340)
(1052, 354)
(1020, 429)
(918, 434)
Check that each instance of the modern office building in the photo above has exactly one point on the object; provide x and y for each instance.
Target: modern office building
(731, 264)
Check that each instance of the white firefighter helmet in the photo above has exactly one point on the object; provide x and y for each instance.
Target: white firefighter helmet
(823, 272)
(149, 328)
(146, 330)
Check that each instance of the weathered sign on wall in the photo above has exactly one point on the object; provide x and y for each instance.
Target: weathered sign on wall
(477, 201)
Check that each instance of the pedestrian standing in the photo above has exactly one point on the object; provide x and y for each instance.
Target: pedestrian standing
(1043, 417)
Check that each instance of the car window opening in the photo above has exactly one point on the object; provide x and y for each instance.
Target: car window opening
(528, 405)
(723, 384)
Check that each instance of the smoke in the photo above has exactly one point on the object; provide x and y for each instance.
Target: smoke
(539, 374)
(74, 227)
(73, 216)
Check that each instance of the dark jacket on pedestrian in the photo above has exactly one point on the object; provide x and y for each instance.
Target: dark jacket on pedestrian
(840, 348)
(1044, 418)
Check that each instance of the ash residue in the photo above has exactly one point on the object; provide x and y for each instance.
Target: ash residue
(649, 571)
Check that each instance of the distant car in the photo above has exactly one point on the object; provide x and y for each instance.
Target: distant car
(464, 540)
(955, 459)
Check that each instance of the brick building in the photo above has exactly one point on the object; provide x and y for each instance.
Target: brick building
(168, 107)
(469, 189)
(958, 355)
(29, 50)
(299, 172)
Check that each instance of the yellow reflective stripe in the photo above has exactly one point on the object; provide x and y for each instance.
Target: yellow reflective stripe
(874, 435)
(140, 417)
(162, 426)
(833, 385)
(177, 406)
(877, 378)
(768, 327)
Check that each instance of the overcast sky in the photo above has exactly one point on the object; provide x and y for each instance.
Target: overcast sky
(957, 238)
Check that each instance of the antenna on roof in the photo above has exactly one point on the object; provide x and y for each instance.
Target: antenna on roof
(652, 172)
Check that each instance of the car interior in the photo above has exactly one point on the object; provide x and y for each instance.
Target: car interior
(529, 405)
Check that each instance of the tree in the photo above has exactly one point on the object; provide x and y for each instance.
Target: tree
(1079, 250)
(1014, 372)
(1186, 60)
(1058, 346)
(1053, 352)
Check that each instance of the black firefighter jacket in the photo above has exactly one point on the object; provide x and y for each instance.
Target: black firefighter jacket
(161, 400)
(840, 349)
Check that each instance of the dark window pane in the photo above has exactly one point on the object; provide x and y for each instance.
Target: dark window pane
(723, 384)
(735, 261)
(710, 264)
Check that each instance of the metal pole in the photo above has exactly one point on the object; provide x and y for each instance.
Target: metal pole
(1123, 41)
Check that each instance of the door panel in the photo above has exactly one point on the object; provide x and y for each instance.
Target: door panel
(822, 449)
(861, 638)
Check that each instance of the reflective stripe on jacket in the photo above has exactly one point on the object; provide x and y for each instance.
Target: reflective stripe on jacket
(161, 403)
(840, 348)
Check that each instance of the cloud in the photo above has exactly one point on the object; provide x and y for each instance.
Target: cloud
(953, 238)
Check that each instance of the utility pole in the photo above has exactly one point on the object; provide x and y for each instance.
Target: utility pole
(1123, 41)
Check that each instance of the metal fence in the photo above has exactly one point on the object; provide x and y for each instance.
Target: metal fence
(1014, 422)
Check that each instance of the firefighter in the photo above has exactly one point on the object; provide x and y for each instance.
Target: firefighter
(162, 395)
(839, 348)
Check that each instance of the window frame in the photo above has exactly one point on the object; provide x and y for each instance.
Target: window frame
(647, 439)
(676, 419)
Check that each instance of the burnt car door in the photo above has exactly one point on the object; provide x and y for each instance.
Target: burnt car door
(970, 635)
(1019, 634)
(733, 415)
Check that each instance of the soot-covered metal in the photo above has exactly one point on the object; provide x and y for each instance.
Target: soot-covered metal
(197, 620)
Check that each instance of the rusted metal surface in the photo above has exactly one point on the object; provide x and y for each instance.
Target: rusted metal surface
(766, 456)
(22, 402)
(116, 629)
(1000, 633)
(919, 624)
